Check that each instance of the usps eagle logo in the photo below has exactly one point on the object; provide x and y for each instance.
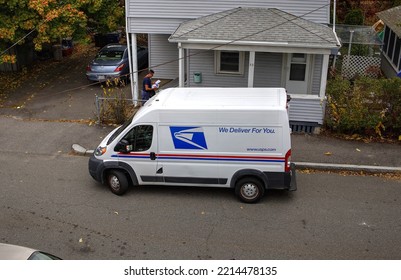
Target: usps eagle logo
(189, 138)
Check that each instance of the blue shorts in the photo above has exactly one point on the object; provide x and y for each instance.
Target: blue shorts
(145, 96)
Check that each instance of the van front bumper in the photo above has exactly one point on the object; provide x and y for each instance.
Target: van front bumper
(95, 168)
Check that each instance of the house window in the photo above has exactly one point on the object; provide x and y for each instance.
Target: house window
(385, 41)
(399, 64)
(298, 67)
(229, 62)
(391, 45)
(396, 52)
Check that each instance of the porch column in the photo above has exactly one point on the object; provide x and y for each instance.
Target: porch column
(134, 69)
(323, 79)
(181, 66)
(251, 69)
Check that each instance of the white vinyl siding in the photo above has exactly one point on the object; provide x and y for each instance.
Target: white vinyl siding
(317, 74)
(203, 62)
(303, 109)
(163, 57)
(268, 69)
(164, 16)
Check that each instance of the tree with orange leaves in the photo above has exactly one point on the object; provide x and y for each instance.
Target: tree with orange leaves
(47, 21)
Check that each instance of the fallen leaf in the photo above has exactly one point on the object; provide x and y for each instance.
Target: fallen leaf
(328, 153)
(358, 150)
(81, 240)
(115, 212)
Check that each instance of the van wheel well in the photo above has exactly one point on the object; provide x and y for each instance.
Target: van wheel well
(239, 175)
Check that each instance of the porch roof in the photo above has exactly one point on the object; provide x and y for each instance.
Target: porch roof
(257, 27)
(391, 18)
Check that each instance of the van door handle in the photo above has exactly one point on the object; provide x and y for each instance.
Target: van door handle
(152, 156)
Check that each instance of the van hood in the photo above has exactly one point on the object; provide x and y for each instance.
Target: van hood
(104, 141)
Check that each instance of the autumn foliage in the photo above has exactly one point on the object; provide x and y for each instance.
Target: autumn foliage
(47, 21)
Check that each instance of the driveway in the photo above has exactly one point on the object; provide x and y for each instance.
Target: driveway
(57, 90)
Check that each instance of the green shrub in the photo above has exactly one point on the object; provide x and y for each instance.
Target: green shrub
(354, 17)
(391, 96)
(370, 107)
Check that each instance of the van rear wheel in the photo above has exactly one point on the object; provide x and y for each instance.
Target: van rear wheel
(117, 182)
(249, 190)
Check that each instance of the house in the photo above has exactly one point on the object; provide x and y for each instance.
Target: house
(242, 44)
(391, 50)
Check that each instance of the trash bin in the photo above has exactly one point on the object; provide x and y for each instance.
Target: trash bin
(197, 77)
(113, 38)
(57, 52)
(67, 46)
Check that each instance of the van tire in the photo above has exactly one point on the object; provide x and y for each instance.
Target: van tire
(249, 189)
(117, 182)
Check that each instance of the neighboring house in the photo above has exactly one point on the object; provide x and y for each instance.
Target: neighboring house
(242, 44)
(391, 50)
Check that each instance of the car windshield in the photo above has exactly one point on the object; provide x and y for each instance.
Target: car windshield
(110, 55)
(42, 256)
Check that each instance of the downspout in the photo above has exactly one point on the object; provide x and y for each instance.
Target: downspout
(334, 15)
(334, 31)
(334, 23)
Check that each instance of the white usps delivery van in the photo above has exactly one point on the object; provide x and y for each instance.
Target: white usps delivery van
(215, 137)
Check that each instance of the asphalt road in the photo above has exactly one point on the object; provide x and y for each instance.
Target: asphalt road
(49, 201)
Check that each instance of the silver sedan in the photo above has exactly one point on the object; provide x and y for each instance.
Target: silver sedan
(14, 252)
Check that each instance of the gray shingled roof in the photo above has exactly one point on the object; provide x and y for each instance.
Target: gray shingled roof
(256, 25)
(392, 18)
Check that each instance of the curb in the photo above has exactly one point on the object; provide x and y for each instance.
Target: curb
(347, 167)
(79, 150)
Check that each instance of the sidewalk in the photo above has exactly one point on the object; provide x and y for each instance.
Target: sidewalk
(323, 152)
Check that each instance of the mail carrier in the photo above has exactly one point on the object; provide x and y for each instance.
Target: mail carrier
(214, 137)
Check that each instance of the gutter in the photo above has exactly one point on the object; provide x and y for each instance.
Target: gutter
(222, 43)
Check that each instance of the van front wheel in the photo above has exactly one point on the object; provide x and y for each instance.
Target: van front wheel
(117, 182)
(249, 190)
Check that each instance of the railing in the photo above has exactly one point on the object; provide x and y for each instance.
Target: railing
(114, 109)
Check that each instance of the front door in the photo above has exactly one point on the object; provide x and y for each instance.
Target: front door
(298, 73)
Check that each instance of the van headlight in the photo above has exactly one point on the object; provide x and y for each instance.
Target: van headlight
(100, 151)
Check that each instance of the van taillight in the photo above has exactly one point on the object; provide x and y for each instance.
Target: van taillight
(287, 166)
(88, 68)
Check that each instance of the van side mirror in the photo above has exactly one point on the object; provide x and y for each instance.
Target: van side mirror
(123, 147)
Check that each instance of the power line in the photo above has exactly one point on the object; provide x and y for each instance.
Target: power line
(21, 39)
(203, 51)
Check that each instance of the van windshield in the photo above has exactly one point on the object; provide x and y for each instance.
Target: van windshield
(120, 129)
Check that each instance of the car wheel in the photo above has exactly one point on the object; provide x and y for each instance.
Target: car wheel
(117, 182)
(249, 190)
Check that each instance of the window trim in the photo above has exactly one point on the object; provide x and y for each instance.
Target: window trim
(241, 64)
